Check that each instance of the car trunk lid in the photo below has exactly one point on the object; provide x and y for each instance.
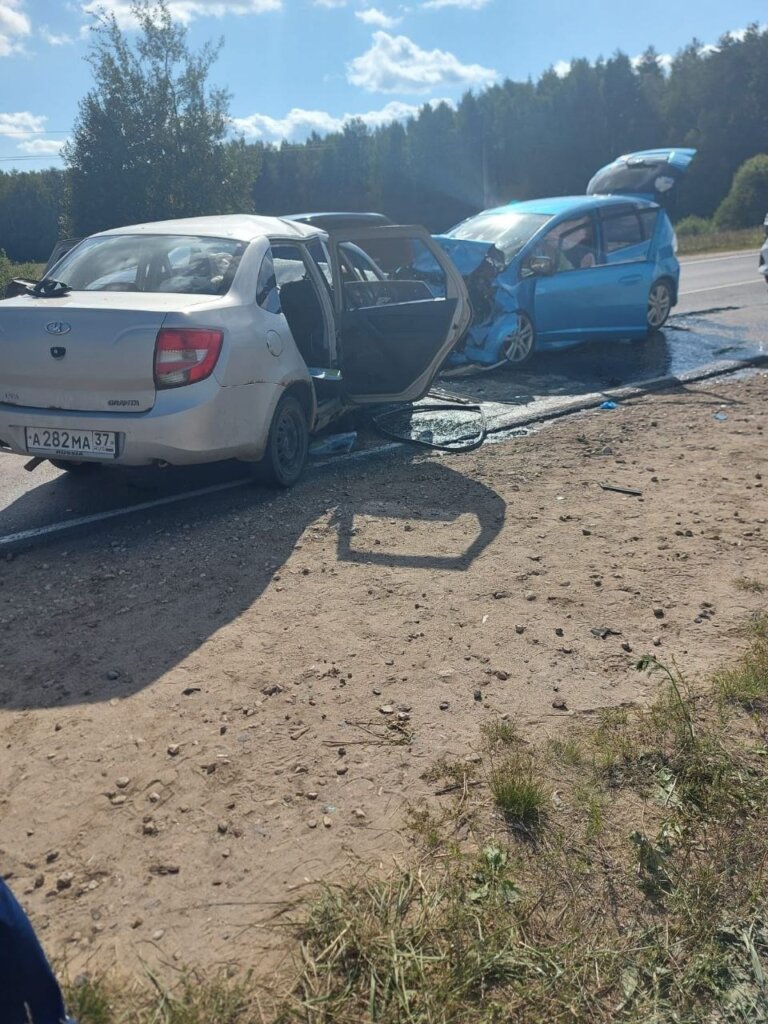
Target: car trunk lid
(649, 174)
(83, 352)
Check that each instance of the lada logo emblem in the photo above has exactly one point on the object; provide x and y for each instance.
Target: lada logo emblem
(58, 327)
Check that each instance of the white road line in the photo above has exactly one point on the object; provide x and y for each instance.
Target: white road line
(96, 517)
(719, 287)
(749, 254)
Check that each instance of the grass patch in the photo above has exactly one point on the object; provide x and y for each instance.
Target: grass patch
(720, 241)
(195, 1000)
(746, 682)
(517, 791)
(9, 271)
(643, 900)
(750, 586)
(499, 733)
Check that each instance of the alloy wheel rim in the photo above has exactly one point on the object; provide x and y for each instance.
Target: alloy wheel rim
(658, 305)
(519, 344)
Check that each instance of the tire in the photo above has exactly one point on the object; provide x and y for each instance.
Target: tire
(519, 346)
(75, 467)
(659, 305)
(287, 445)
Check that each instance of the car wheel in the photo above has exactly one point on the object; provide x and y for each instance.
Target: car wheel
(659, 305)
(518, 346)
(72, 466)
(287, 445)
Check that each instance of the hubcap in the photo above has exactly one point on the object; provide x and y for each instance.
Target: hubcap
(658, 305)
(518, 346)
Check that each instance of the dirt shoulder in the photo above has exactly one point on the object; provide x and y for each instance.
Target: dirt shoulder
(204, 712)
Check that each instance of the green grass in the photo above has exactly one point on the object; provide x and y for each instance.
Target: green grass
(8, 271)
(517, 791)
(721, 241)
(746, 682)
(193, 1000)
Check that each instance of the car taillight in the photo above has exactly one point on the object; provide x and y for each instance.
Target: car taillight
(185, 356)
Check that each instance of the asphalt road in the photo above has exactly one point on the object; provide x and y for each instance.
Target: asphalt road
(716, 281)
(722, 315)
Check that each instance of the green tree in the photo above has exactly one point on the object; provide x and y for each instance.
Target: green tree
(150, 138)
(746, 204)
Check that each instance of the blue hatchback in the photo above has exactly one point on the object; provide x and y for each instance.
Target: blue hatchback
(550, 273)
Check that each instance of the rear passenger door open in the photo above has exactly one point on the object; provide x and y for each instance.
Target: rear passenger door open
(395, 324)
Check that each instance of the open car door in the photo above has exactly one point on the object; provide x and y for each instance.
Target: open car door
(395, 323)
(651, 174)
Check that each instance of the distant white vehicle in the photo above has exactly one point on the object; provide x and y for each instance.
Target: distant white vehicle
(214, 338)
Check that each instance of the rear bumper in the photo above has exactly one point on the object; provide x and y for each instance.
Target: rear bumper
(201, 423)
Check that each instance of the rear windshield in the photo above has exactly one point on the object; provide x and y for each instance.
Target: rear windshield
(151, 263)
(508, 231)
(639, 178)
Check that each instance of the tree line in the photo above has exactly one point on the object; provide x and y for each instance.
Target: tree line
(151, 141)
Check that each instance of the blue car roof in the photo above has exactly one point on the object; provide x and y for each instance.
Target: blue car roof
(554, 206)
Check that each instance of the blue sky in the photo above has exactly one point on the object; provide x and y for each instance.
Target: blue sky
(297, 65)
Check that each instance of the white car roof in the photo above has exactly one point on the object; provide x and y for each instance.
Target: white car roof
(241, 226)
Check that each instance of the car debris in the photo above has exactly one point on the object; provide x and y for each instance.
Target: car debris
(633, 492)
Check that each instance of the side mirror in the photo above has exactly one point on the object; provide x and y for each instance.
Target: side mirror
(541, 266)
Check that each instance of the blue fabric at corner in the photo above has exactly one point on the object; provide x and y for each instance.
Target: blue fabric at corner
(28, 989)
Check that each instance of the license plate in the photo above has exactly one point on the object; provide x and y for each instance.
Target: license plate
(86, 444)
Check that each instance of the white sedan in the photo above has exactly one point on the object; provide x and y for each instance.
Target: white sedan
(211, 338)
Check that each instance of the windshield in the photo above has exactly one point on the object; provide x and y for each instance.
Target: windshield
(152, 263)
(508, 231)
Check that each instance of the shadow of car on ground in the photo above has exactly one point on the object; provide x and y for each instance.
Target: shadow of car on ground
(111, 618)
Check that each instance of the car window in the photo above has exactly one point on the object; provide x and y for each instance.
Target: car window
(570, 245)
(319, 254)
(622, 231)
(356, 265)
(267, 295)
(508, 230)
(388, 270)
(152, 263)
(648, 220)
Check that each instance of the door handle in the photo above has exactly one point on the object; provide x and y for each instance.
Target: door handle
(631, 279)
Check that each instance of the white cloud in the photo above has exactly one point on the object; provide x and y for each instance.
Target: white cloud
(42, 147)
(373, 16)
(468, 5)
(54, 38)
(22, 127)
(298, 124)
(329, 3)
(21, 123)
(562, 68)
(14, 25)
(397, 64)
(183, 10)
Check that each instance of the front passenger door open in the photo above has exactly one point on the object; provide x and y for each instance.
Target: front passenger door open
(395, 324)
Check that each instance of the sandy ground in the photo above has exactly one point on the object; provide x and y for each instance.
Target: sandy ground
(203, 712)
